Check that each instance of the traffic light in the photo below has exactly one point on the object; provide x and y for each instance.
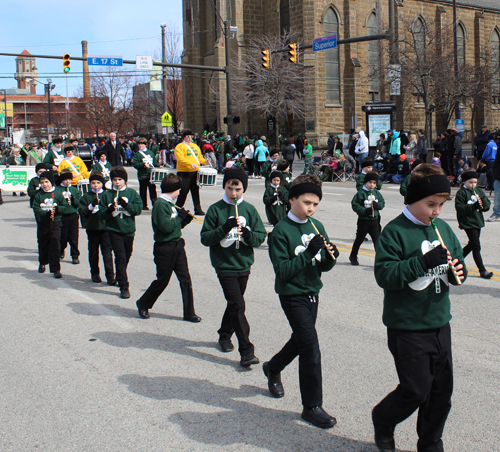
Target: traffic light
(293, 53)
(236, 120)
(66, 63)
(266, 59)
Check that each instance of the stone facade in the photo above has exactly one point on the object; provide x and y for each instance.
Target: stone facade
(203, 45)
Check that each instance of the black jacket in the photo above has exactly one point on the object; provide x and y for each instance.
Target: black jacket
(115, 156)
(482, 141)
(288, 153)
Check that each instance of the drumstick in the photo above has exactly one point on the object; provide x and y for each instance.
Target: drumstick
(236, 214)
(330, 252)
(441, 241)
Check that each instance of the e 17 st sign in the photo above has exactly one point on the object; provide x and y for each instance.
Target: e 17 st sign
(105, 60)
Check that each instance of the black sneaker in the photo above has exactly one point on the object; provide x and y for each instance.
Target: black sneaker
(96, 278)
(319, 417)
(57, 275)
(384, 441)
(486, 274)
(75, 261)
(143, 312)
(353, 260)
(248, 360)
(112, 282)
(226, 345)
(124, 293)
(61, 257)
(41, 268)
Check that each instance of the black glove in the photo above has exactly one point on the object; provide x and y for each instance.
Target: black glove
(476, 206)
(434, 258)
(94, 202)
(276, 194)
(49, 213)
(72, 199)
(188, 219)
(183, 214)
(110, 209)
(369, 211)
(230, 224)
(56, 209)
(245, 234)
(335, 251)
(122, 202)
(315, 244)
(375, 205)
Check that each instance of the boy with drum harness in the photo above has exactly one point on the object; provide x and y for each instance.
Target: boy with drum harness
(55, 156)
(143, 161)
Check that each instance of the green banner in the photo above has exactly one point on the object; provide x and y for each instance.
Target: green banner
(2, 121)
(15, 177)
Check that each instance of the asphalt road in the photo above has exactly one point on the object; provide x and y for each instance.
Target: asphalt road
(81, 372)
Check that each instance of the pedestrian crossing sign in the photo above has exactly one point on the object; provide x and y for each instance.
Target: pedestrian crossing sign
(166, 119)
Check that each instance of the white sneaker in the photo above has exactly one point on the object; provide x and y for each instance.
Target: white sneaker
(493, 218)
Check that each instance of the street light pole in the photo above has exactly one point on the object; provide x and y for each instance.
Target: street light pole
(164, 60)
(5, 113)
(229, 103)
(49, 87)
(455, 54)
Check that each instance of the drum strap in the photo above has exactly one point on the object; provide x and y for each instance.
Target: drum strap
(144, 155)
(73, 167)
(57, 157)
(194, 154)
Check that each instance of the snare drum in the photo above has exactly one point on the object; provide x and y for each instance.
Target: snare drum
(83, 186)
(157, 174)
(207, 176)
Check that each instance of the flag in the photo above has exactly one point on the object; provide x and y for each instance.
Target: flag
(66, 106)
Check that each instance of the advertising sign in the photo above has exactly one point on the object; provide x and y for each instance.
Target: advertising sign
(378, 124)
(16, 178)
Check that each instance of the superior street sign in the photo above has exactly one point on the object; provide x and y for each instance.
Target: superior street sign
(328, 42)
(104, 60)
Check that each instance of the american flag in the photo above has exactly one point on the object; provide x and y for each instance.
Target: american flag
(66, 106)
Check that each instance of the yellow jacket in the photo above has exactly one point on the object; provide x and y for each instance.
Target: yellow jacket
(185, 157)
(79, 165)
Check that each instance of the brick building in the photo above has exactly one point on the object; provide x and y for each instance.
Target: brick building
(343, 79)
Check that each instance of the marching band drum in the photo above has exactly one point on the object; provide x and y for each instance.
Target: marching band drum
(157, 174)
(207, 177)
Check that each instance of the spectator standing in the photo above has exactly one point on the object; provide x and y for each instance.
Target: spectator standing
(482, 140)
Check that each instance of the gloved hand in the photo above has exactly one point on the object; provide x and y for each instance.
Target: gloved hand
(48, 213)
(335, 251)
(230, 224)
(434, 258)
(183, 214)
(315, 244)
(56, 209)
(245, 234)
(94, 202)
(476, 206)
(188, 219)
(369, 211)
(122, 202)
(110, 209)
(375, 205)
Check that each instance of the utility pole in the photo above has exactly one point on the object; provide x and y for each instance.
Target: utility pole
(164, 69)
(455, 54)
(229, 103)
(392, 51)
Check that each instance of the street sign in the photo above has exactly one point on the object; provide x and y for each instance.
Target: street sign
(166, 120)
(50, 128)
(328, 42)
(144, 62)
(164, 130)
(394, 76)
(104, 60)
(2, 121)
(460, 125)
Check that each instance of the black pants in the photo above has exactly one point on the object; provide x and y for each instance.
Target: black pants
(234, 319)
(300, 152)
(250, 166)
(100, 239)
(189, 183)
(423, 157)
(69, 234)
(122, 246)
(301, 312)
(475, 246)
(371, 227)
(452, 165)
(144, 184)
(49, 242)
(257, 167)
(170, 257)
(489, 175)
(290, 162)
(425, 370)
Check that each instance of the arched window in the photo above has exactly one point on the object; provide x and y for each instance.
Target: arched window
(332, 67)
(373, 60)
(461, 46)
(418, 30)
(284, 15)
(495, 64)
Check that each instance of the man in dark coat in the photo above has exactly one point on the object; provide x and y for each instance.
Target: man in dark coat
(482, 141)
(114, 151)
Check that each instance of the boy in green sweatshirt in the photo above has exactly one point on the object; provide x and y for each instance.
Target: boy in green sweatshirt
(69, 229)
(269, 166)
(404, 184)
(415, 271)
(366, 167)
(470, 203)
(102, 166)
(118, 207)
(298, 251)
(169, 252)
(276, 198)
(232, 229)
(96, 230)
(367, 203)
(144, 160)
(49, 207)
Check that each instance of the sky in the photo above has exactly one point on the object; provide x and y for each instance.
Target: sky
(127, 28)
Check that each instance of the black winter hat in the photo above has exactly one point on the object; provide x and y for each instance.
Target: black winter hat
(236, 173)
(47, 175)
(371, 176)
(367, 163)
(40, 166)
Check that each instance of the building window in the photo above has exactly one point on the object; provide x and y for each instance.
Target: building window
(373, 60)
(284, 15)
(461, 46)
(418, 30)
(332, 67)
(495, 65)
